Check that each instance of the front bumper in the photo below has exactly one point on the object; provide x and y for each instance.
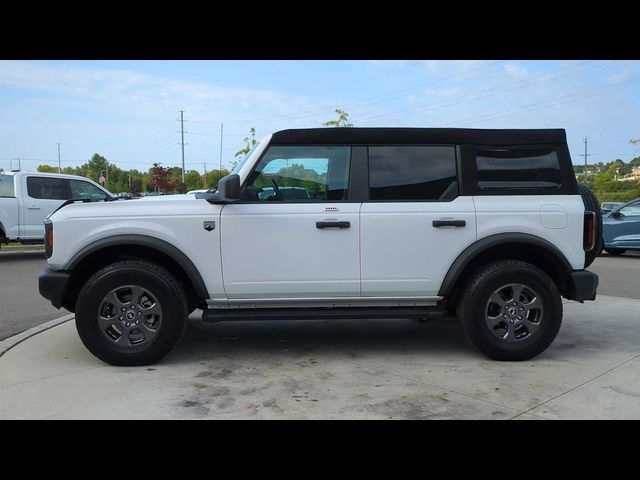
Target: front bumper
(53, 285)
(582, 285)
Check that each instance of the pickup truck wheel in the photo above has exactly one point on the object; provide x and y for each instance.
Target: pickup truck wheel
(511, 310)
(131, 313)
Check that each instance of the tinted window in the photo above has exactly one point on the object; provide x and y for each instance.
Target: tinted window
(291, 173)
(518, 168)
(6, 186)
(411, 173)
(81, 190)
(46, 188)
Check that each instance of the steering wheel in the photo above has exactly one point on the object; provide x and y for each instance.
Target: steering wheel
(276, 188)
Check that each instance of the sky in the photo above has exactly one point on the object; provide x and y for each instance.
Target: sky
(129, 111)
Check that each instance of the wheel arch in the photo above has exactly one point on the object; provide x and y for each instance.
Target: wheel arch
(516, 246)
(108, 250)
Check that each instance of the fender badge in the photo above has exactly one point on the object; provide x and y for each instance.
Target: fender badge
(209, 225)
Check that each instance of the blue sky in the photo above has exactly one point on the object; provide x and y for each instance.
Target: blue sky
(128, 110)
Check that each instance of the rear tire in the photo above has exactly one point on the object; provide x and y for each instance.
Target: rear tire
(591, 203)
(511, 310)
(615, 251)
(131, 313)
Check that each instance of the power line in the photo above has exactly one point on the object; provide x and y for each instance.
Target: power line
(478, 95)
(537, 105)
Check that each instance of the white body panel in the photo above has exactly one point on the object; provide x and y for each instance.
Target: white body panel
(558, 219)
(403, 253)
(9, 216)
(178, 222)
(272, 250)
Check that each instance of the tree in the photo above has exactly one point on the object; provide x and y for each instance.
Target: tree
(162, 179)
(341, 121)
(193, 180)
(249, 143)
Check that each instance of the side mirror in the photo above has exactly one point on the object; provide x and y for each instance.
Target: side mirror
(228, 190)
(615, 214)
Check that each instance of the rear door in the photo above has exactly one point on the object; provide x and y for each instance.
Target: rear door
(414, 224)
(43, 196)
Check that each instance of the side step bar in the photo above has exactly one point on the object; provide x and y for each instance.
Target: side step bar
(217, 315)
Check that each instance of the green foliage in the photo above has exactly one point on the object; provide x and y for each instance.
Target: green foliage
(193, 180)
(249, 142)
(341, 121)
(604, 180)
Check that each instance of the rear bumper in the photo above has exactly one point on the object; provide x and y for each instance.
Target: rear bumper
(53, 285)
(583, 285)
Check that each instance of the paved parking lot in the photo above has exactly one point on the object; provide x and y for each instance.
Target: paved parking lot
(348, 369)
(333, 369)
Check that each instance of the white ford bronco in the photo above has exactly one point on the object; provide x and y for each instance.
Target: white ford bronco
(488, 225)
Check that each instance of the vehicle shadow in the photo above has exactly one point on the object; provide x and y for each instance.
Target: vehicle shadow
(246, 339)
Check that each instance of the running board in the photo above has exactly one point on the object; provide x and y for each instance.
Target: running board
(217, 315)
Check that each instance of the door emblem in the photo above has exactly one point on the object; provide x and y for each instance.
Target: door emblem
(209, 225)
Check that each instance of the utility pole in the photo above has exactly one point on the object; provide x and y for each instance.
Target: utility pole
(59, 169)
(585, 155)
(221, 130)
(182, 144)
(205, 174)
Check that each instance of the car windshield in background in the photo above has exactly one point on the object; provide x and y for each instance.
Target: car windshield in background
(6, 186)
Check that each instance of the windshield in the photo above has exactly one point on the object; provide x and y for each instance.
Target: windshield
(6, 186)
(239, 166)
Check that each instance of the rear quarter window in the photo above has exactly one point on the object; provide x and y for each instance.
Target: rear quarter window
(6, 186)
(504, 168)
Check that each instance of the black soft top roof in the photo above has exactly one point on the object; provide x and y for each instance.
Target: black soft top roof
(418, 136)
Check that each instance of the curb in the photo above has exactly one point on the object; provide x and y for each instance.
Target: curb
(17, 250)
(22, 248)
(10, 342)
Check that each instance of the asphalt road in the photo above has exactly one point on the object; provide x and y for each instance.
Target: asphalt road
(22, 307)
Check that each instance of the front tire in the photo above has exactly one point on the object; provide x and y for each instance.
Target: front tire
(131, 313)
(615, 251)
(511, 310)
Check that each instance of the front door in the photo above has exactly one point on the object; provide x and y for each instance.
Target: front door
(294, 234)
(623, 231)
(414, 225)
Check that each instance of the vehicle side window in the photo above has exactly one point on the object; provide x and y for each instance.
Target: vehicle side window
(300, 174)
(6, 186)
(632, 210)
(81, 190)
(412, 173)
(46, 188)
(501, 168)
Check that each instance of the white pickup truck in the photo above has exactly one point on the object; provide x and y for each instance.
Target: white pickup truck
(27, 199)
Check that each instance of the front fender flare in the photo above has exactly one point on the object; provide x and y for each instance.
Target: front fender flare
(146, 241)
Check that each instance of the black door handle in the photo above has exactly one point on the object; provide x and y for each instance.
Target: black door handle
(449, 223)
(333, 224)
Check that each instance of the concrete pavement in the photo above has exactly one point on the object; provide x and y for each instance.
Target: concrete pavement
(337, 369)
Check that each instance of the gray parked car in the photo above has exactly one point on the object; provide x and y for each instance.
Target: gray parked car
(622, 228)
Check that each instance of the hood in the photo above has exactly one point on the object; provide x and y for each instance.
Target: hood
(169, 205)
